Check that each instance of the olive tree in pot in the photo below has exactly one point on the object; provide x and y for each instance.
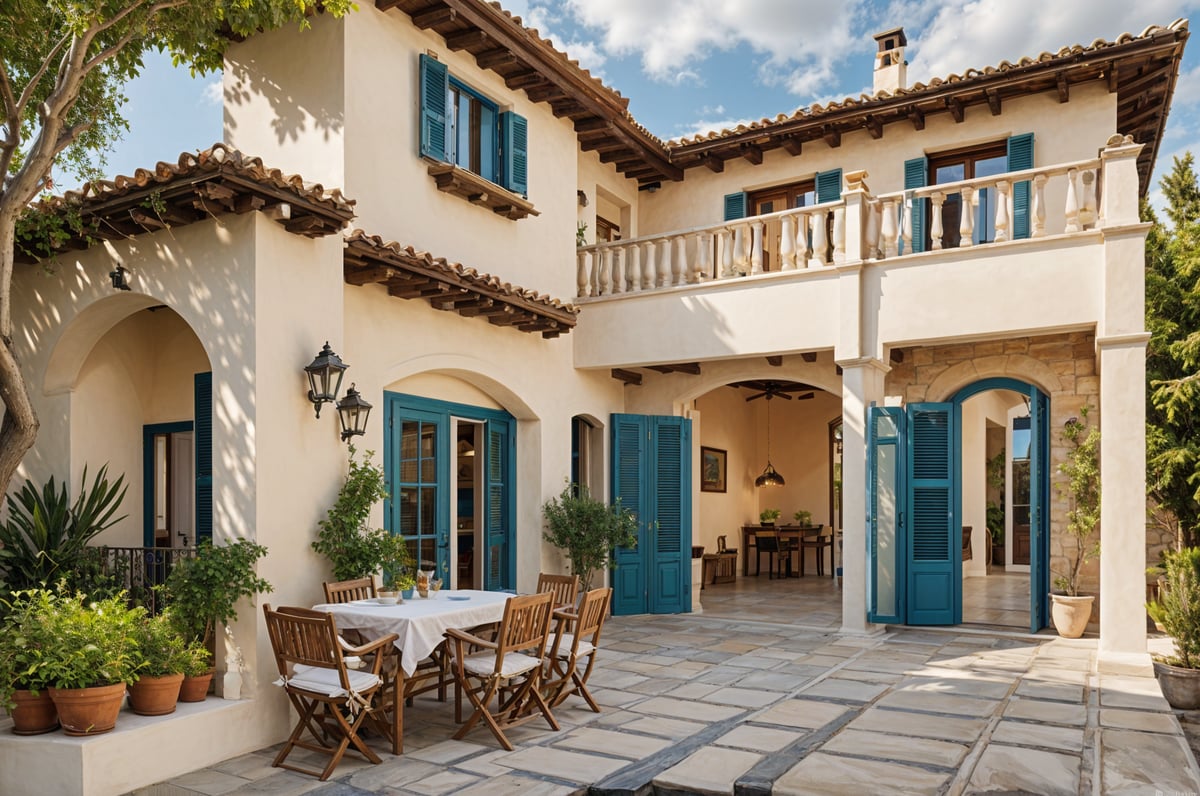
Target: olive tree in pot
(203, 593)
(1178, 609)
(1069, 609)
(587, 530)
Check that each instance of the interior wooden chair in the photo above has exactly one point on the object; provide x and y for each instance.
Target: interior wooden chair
(507, 671)
(331, 699)
(347, 591)
(819, 542)
(766, 542)
(572, 655)
(565, 589)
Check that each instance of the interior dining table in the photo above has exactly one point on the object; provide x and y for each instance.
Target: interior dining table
(419, 624)
(750, 546)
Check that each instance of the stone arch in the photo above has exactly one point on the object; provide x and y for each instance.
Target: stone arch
(479, 373)
(717, 374)
(83, 332)
(1016, 366)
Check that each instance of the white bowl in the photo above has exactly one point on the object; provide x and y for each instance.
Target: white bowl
(392, 600)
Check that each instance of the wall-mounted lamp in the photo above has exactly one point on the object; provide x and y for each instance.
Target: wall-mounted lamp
(650, 187)
(325, 377)
(118, 276)
(353, 411)
(582, 196)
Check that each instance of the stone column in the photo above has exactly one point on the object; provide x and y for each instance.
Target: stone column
(862, 384)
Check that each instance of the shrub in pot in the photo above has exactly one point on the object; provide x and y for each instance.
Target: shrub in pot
(164, 656)
(197, 673)
(1069, 609)
(803, 518)
(1178, 609)
(24, 687)
(768, 516)
(587, 530)
(90, 654)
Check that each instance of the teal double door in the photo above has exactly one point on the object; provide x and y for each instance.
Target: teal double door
(914, 509)
(418, 464)
(652, 477)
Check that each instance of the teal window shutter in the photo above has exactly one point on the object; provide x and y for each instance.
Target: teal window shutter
(829, 185)
(915, 172)
(202, 424)
(629, 434)
(514, 134)
(735, 205)
(435, 86)
(1020, 157)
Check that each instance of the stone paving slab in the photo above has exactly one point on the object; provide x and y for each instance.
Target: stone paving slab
(1010, 769)
(712, 769)
(822, 773)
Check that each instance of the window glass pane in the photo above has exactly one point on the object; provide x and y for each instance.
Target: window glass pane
(951, 172)
(408, 439)
(408, 510)
(766, 207)
(428, 471)
(1020, 443)
(428, 510)
(408, 471)
(428, 557)
(990, 167)
(428, 438)
(1020, 486)
(885, 426)
(885, 529)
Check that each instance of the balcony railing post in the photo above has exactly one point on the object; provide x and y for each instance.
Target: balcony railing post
(1002, 214)
(966, 224)
(802, 240)
(1039, 207)
(634, 255)
(726, 253)
(820, 240)
(581, 273)
(1087, 213)
(1119, 195)
(1072, 209)
(787, 244)
(889, 228)
(873, 210)
(756, 248)
(618, 277)
(937, 198)
(679, 262)
(839, 234)
(703, 269)
(906, 207)
(741, 259)
(650, 267)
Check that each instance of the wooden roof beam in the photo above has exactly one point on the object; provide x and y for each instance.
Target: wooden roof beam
(566, 107)
(526, 78)
(438, 15)
(993, 101)
(593, 125)
(955, 106)
(775, 361)
(1064, 89)
(371, 275)
(917, 117)
(546, 92)
(466, 39)
(498, 56)
(691, 368)
(832, 136)
(1113, 73)
(714, 163)
(752, 153)
(1136, 85)
(601, 145)
(627, 376)
(809, 356)
(614, 155)
(874, 127)
(792, 145)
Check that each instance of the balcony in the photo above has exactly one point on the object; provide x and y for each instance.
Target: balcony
(847, 276)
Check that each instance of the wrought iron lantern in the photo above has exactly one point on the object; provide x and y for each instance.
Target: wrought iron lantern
(325, 377)
(353, 411)
(769, 476)
(119, 277)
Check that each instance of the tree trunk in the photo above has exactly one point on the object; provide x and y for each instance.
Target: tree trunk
(19, 427)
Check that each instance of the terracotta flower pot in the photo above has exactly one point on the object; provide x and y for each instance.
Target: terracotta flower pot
(33, 715)
(1180, 686)
(155, 696)
(195, 689)
(88, 711)
(1071, 614)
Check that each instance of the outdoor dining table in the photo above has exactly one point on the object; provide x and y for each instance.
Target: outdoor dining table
(419, 625)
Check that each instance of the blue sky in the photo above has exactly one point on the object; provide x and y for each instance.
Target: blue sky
(692, 65)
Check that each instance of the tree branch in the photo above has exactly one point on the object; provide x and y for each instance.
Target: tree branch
(11, 110)
(119, 45)
(31, 86)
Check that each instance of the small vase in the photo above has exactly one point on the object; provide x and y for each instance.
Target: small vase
(33, 715)
(195, 689)
(88, 711)
(155, 696)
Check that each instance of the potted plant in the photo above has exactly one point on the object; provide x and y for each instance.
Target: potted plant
(89, 655)
(24, 683)
(803, 518)
(197, 672)
(354, 549)
(995, 509)
(587, 530)
(768, 516)
(203, 592)
(1178, 609)
(397, 564)
(164, 656)
(1069, 609)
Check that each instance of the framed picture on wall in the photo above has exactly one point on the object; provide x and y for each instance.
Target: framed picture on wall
(712, 469)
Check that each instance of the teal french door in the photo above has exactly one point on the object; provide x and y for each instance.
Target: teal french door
(417, 464)
(652, 477)
(1039, 510)
(935, 547)
(887, 555)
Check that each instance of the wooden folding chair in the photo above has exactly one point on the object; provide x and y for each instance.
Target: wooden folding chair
(570, 650)
(507, 670)
(331, 700)
(346, 591)
(565, 589)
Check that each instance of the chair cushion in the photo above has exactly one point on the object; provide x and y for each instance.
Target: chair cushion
(565, 642)
(327, 682)
(481, 664)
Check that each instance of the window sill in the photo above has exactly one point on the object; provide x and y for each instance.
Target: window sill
(478, 191)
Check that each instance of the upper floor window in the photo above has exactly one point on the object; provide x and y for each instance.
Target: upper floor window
(461, 126)
(607, 231)
(784, 197)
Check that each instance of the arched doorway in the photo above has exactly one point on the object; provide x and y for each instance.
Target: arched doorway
(915, 507)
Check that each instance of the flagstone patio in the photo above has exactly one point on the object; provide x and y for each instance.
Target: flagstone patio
(706, 704)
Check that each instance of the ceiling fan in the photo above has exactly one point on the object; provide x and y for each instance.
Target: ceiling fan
(778, 389)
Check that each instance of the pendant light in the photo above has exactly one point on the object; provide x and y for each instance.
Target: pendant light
(769, 477)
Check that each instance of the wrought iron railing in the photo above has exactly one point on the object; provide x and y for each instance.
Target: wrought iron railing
(136, 570)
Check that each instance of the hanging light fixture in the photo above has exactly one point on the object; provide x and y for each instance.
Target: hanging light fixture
(769, 477)
(353, 411)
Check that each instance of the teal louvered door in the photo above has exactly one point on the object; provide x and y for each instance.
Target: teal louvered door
(916, 172)
(934, 553)
(651, 476)
(435, 89)
(1020, 157)
(1039, 510)
(202, 420)
(886, 496)
(514, 154)
(499, 569)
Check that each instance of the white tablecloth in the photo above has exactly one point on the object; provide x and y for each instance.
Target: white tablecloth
(420, 624)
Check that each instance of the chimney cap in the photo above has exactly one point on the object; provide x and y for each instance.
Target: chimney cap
(896, 37)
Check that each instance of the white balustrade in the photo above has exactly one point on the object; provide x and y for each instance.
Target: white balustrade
(820, 239)
(802, 240)
(1039, 206)
(966, 221)
(1001, 223)
(679, 262)
(1072, 209)
(936, 199)
(756, 248)
(741, 259)
(603, 286)
(839, 234)
(581, 273)
(634, 262)
(889, 228)
(618, 279)
(703, 267)
(787, 244)
(649, 267)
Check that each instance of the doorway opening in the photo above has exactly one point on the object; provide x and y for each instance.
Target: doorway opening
(468, 524)
(169, 485)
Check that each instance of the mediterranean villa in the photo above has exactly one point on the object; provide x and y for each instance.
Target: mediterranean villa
(891, 302)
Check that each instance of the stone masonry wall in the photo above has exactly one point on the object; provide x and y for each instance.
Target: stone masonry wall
(1062, 365)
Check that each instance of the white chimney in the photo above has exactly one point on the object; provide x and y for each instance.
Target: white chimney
(891, 70)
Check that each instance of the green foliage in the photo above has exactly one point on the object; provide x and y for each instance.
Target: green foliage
(197, 660)
(79, 643)
(769, 515)
(587, 531)
(995, 522)
(353, 548)
(46, 534)
(1173, 353)
(1178, 609)
(161, 646)
(399, 570)
(1082, 487)
(23, 635)
(581, 234)
(204, 591)
(803, 518)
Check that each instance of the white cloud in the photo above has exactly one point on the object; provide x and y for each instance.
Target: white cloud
(985, 32)
(801, 41)
(212, 93)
